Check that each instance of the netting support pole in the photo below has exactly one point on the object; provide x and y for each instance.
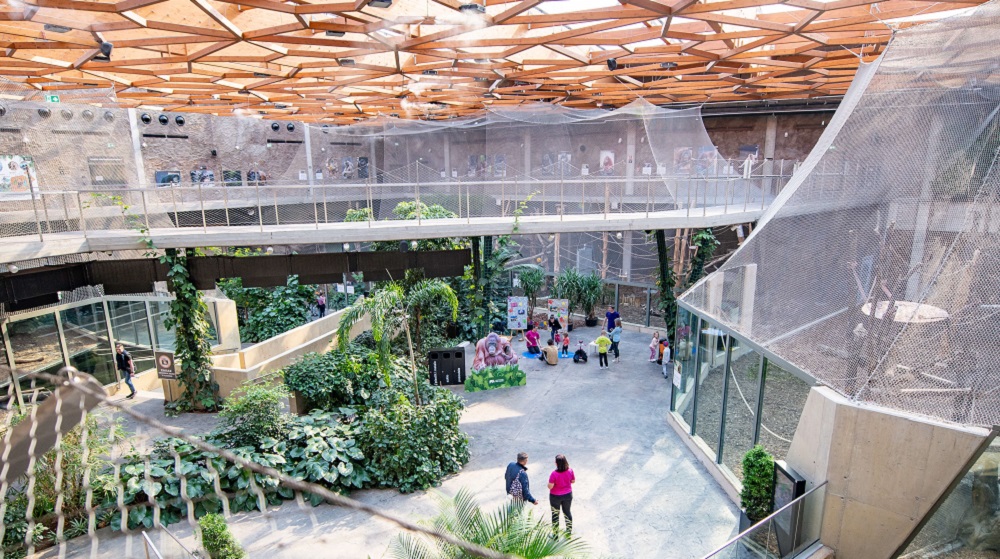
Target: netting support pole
(761, 378)
(173, 199)
(312, 192)
(201, 200)
(225, 204)
(274, 193)
(416, 195)
(260, 210)
(145, 211)
(83, 220)
(649, 301)
(562, 200)
(34, 206)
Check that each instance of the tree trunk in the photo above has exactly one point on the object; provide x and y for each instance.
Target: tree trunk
(413, 364)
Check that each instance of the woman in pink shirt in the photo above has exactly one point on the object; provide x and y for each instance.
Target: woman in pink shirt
(561, 482)
(532, 337)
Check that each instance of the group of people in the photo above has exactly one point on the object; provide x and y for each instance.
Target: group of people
(560, 486)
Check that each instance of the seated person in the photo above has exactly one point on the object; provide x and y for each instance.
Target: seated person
(531, 337)
(581, 355)
(550, 353)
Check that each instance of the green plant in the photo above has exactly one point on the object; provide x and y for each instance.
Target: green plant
(413, 447)
(705, 243)
(268, 312)
(568, 285)
(667, 283)
(423, 299)
(532, 279)
(253, 413)
(217, 540)
(757, 496)
(187, 319)
(591, 290)
(509, 529)
(76, 528)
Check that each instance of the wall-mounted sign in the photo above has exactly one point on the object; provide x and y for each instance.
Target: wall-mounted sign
(52, 98)
(165, 365)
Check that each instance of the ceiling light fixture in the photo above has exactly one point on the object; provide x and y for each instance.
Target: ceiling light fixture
(57, 28)
(668, 65)
(472, 9)
(379, 3)
(612, 64)
(105, 55)
(334, 33)
(345, 61)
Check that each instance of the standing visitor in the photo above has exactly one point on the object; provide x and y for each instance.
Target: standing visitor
(516, 477)
(554, 326)
(561, 482)
(654, 347)
(616, 337)
(126, 367)
(609, 318)
(321, 303)
(531, 336)
(602, 343)
(550, 354)
(565, 345)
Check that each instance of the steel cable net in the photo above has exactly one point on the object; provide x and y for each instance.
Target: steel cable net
(877, 270)
(87, 476)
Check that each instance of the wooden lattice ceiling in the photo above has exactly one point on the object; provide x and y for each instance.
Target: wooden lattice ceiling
(340, 61)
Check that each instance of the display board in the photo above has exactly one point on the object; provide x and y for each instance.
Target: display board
(499, 376)
(517, 313)
(17, 176)
(559, 308)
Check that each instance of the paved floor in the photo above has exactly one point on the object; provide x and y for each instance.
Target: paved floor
(639, 491)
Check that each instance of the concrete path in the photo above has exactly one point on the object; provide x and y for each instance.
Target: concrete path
(639, 491)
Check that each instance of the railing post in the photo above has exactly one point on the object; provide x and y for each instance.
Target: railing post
(201, 200)
(277, 220)
(649, 197)
(725, 194)
(562, 200)
(173, 199)
(34, 206)
(416, 190)
(145, 210)
(260, 209)
(468, 204)
(225, 203)
(65, 209)
(83, 220)
(312, 192)
(649, 303)
(503, 198)
(371, 207)
(689, 198)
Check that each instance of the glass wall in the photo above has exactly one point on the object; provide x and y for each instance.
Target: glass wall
(36, 348)
(740, 397)
(86, 333)
(130, 326)
(163, 337)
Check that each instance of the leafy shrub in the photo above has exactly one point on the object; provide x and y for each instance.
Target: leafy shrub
(252, 413)
(757, 496)
(414, 447)
(270, 311)
(217, 540)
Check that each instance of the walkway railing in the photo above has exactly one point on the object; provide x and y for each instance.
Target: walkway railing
(42, 213)
(787, 532)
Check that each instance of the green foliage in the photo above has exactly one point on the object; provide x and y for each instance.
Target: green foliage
(532, 279)
(252, 413)
(590, 293)
(667, 284)
(499, 376)
(187, 319)
(757, 496)
(429, 298)
(706, 243)
(510, 529)
(360, 214)
(412, 447)
(270, 311)
(338, 379)
(568, 286)
(217, 540)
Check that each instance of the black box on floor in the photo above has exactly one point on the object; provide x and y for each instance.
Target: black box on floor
(446, 366)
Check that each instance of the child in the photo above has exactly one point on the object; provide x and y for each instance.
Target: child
(557, 338)
(565, 345)
(654, 347)
(581, 355)
(602, 343)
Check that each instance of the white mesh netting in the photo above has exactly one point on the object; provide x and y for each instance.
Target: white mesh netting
(878, 270)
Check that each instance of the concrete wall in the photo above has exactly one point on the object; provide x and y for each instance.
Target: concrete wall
(796, 135)
(884, 469)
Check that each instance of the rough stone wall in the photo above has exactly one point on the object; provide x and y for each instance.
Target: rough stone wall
(797, 133)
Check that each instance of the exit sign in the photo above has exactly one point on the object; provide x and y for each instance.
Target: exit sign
(52, 98)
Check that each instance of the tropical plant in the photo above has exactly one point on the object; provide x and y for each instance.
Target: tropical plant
(193, 350)
(666, 283)
(253, 413)
(590, 293)
(268, 312)
(412, 447)
(422, 299)
(532, 279)
(217, 540)
(338, 379)
(757, 496)
(567, 287)
(509, 529)
(705, 243)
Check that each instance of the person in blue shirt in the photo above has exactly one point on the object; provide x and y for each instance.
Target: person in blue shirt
(616, 337)
(519, 470)
(609, 319)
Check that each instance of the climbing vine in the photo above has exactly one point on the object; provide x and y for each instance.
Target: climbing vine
(187, 319)
(706, 243)
(667, 284)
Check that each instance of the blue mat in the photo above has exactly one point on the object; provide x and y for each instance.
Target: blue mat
(528, 355)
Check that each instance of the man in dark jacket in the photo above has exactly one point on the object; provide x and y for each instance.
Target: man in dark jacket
(519, 470)
(126, 367)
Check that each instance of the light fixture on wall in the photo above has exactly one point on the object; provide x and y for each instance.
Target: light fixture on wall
(269, 250)
(44, 113)
(413, 245)
(145, 118)
(164, 119)
(13, 269)
(143, 144)
(87, 115)
(291, 127)
(347, 247)
(619, 235)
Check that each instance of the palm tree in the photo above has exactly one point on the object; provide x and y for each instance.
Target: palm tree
(510, 529)
(390, 309)
(532, 277)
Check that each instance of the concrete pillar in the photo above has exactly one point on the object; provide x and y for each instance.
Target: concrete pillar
(447, 157)
(630, 159)
(309, 155)
(140, 166)
(527, 151)
(770, 137)
(627, 256)
(749, 291)
(921, 223)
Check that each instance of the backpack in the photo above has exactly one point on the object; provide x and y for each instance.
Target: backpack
(516, 491)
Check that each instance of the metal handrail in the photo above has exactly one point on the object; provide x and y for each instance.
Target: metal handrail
(767, 518)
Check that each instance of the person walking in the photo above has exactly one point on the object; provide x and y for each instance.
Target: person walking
(516, 478)
(602, 343)
(321, 303)
(565, 345)
(126, 367)
(616, 338)
(531, 338)
(554, 326)
(654, 347)
(561, 482)
(550, 354)
(609, 318)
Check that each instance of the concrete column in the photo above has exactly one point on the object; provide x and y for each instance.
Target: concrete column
(309, 155)
(447, 157)
(527, 150)
(770, 137)
(922, 221)
(140, 166)
(627, 256)
(630, 160)
(749, 291)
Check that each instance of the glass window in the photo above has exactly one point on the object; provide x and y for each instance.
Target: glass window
(8, 398)
(163, 337)
(684, 353)
(741, 408)
(784, 398)
(130, 328)
(712, 348)
(86, 333)
(36, 347)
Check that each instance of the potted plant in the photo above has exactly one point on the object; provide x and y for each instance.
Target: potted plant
(591, 290)
(568, 287)
(757, 497)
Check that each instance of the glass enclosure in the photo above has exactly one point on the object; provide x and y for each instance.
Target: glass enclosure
(86, 331)
(740, 398)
